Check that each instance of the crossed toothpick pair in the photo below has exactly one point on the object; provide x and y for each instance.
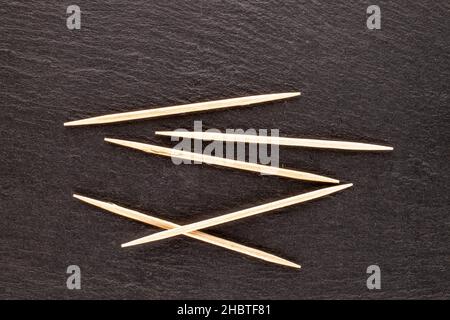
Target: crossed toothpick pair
(192, 230)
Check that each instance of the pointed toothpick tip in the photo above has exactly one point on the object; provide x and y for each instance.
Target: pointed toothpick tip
(77, 123)
(111, 140)
(128, 244)
(375, 147)
(71, 123)
(87, 199)
(125, 143)
(82, 198)
(294, 265)
(135, 242)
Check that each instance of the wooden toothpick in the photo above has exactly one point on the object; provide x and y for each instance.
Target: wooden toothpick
(237, 215)
(135, 215)
(246, 138)
(241, 165)
(185, 108)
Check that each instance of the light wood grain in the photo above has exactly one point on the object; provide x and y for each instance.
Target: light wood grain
(185, 108)
(238, 215)
(164, 224)
(224, 162)
(297, 142)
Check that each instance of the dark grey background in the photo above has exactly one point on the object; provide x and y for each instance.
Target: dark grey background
(388, 86)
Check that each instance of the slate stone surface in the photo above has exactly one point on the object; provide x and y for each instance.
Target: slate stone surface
(389, 86)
